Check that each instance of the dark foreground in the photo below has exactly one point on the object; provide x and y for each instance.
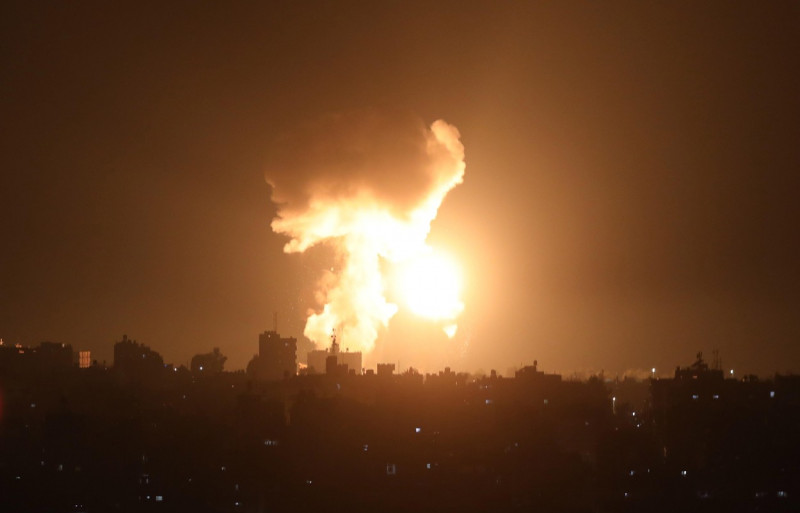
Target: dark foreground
(102, 440)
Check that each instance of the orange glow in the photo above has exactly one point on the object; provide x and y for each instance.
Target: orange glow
(430, 286)
(377, 212)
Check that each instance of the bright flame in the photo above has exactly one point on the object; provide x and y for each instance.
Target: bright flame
(450, 330)
(371, 185)
(430, 286)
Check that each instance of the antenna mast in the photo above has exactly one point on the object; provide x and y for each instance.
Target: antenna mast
(334, 344)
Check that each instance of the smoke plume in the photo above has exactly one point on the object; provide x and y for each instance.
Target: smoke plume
(369, 183)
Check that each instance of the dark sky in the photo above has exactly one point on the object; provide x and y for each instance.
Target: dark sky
(631, 192)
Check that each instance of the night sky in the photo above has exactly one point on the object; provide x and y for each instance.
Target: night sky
(630, 197)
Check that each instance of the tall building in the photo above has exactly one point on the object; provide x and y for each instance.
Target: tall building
(277, 356)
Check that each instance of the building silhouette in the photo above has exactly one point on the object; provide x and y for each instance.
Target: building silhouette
(276, 359)
(135, 360)
(48, 356)
(75, 440)
(531, 374)
(334, 361)
(320, 360)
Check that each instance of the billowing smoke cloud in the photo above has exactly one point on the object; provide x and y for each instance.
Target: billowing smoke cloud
(371, 184)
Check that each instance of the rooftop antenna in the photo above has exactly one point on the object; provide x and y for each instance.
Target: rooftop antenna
(275, 321)
(717, 361)
(334, 344)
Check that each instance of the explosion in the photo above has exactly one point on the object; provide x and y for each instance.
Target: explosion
(370, 184)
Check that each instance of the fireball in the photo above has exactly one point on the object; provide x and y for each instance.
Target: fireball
(370, 184)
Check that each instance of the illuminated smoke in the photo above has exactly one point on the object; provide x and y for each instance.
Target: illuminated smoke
(370, 184)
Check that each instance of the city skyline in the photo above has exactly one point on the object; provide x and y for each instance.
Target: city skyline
(144, 436)
(628, 200)
(272, 361)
